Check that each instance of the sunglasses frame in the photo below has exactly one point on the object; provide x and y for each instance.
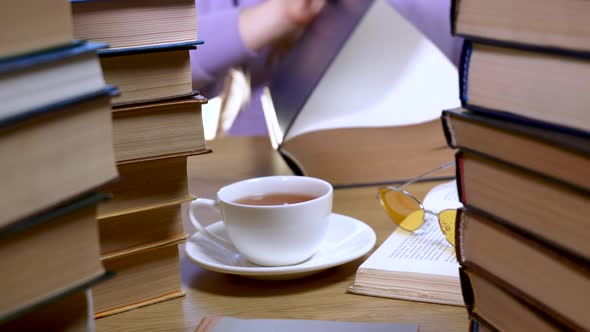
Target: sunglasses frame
(381, 193)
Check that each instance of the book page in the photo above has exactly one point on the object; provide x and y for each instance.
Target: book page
(387, 73)
(425, 250)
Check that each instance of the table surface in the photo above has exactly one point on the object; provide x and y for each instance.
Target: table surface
(319, 296)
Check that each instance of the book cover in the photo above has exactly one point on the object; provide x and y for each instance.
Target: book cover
(231, 324)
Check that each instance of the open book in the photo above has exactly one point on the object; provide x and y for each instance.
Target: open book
(359, 97)
(418, 266)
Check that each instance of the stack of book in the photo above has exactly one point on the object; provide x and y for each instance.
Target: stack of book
(57, 152)
(523, 134)
(157, 124)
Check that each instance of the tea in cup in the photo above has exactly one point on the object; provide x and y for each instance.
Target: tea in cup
(274, 220)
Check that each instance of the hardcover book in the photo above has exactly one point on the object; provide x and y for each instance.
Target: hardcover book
(545, 89)
(550, 211)
(145, 275)
(505, 311)
(553, 153)
(29, 26)
(126, 24)
(348, 105)
(148, 74)
(54, 153)
(544, 277)
(231, 324)
(552, 25)
(49, 253)
(159, 130)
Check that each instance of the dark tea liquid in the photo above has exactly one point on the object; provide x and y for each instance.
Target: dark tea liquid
(274, 199)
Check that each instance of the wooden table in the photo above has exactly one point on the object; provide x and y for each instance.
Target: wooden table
(320, 296)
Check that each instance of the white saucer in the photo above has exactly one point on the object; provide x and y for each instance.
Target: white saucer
(347, 239)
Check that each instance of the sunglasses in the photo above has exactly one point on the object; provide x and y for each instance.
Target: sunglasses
(409, 213)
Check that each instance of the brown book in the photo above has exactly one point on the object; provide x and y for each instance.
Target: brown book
(552, 211)
(486, 302)
(134, 23)
(558, 24)
(557, 154)
(159, 130)
(150, 76)
(352, 119)
(498, 81)
(54, 156)
(31, 26)
(47, 254)
(152, 224)
(541, 275)
(70, 313)
(146, 184)
(143, 275)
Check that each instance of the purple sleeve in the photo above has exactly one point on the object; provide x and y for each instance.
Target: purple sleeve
(432, 17)
(223, 49)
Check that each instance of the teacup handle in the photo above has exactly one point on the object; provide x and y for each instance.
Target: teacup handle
(205, 202)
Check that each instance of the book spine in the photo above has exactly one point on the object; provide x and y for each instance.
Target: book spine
(465, 216)
(466, 289)
(459, 175)
(464, 71)
(447, 126)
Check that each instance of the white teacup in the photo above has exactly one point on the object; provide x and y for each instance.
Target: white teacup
(275, 234)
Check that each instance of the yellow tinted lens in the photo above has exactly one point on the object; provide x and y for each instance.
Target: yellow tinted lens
(413, 221)
(446, 219)
(399, 206)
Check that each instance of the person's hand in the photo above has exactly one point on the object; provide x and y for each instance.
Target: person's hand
(299, 13)
(275, 20)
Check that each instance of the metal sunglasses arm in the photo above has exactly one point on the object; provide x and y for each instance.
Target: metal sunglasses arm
(443, 166)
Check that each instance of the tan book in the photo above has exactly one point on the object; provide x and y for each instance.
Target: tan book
(50, 77)
(543, 276)
(144, 275)
(159, 130)
(498, 81)
(152, 224)
(145, 184)
(54, 157)
(557, 154)
(133, 23)
(70, 313)
(47, 254)
(150, 76)
(552, 211)
(416, 266)
(556, 24)
(487, 302)
(29, 25)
